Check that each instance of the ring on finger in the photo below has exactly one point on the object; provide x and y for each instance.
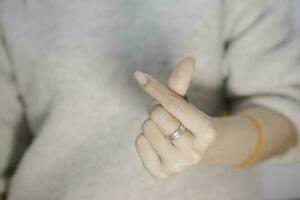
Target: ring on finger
(176, 134)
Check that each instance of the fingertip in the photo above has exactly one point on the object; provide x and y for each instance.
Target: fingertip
(191, 59)
(140, 77)
(186, 65)
(191, 65)
(181, 76)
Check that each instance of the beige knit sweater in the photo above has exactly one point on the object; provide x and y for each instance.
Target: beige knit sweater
(70, 108)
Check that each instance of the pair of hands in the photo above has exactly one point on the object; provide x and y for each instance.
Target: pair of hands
(160, 156)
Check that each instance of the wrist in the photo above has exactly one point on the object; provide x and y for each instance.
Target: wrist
(236, 139)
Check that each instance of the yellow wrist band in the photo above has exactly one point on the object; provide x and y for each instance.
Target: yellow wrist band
(259, 144)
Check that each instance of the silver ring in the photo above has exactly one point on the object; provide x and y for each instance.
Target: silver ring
(176, 134)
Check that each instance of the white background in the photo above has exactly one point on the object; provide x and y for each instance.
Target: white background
(283, 182)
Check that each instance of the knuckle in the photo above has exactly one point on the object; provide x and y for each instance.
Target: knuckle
(211, 126)
(208, 137)
(160, 176)
(211, 132)
(193, 158)
(152, 106)
(157, 172)
(139, 141)
(174, 166)
(146, 125)
(156, 112)
(189, 157)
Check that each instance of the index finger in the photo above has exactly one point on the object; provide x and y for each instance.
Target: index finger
(189, 115)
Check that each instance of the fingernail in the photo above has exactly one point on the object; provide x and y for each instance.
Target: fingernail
(140, 77)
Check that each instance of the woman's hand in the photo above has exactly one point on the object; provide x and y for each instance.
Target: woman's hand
(160, 156)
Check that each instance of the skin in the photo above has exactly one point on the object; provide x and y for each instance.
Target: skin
(223, 141)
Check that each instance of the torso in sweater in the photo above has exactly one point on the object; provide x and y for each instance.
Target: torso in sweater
(74, 62)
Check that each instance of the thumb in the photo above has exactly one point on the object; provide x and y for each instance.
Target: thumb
(181, 76)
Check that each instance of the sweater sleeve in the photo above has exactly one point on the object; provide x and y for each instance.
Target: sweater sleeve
(261, 62)
(13, 131)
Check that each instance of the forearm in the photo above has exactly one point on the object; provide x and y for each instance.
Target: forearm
(237, 137)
